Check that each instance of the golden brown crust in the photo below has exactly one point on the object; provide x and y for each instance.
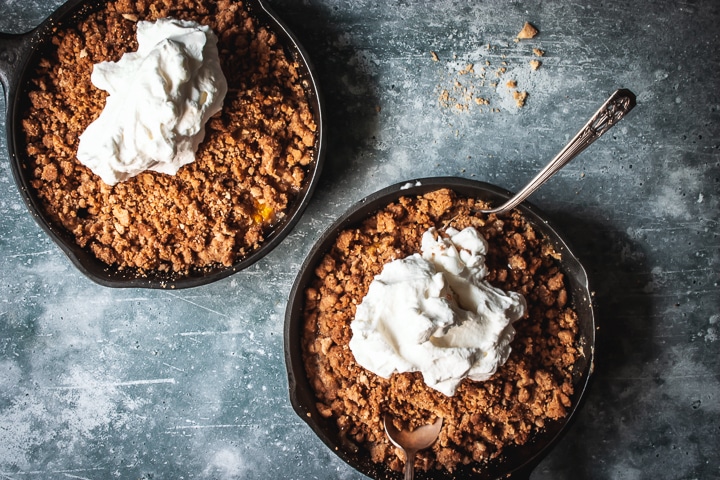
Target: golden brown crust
(534, 386)
(253, 161)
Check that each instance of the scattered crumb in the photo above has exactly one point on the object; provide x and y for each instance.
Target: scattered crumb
(444, 98)
(528, 31)
(520, 98)
(466, 87)
(469, 68)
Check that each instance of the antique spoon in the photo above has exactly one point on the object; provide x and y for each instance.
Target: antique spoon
(412, 442)
(611, 112)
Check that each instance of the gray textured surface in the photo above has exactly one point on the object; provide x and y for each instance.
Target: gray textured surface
(98, 383)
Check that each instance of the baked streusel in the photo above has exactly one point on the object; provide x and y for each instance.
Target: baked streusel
(253, 161)
(533, 387)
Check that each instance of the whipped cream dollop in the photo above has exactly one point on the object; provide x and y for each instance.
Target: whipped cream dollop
(434, 313)
(160, 98)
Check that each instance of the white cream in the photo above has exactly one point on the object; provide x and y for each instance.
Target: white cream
(160, 98)
(434, 313)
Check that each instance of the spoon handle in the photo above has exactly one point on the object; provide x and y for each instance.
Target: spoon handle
(410, 464)
(611, 112)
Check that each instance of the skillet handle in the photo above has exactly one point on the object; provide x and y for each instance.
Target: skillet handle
(12, 51)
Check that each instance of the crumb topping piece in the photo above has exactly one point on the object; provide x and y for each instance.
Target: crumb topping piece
(528, 31)
(520, 98)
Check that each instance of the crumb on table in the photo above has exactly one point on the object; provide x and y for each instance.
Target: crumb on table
(520, 98)
(528, 31)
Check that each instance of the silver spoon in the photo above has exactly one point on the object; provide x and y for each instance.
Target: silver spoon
(412, 442)
(611, 112)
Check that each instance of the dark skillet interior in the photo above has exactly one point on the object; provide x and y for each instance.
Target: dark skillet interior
(34, 47)
(515, 460)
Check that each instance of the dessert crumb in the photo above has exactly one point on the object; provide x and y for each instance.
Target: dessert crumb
(520, 98)
(469, 68)
(528, 31)
(472, 82)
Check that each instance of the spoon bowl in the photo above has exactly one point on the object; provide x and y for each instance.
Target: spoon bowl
(413, 441)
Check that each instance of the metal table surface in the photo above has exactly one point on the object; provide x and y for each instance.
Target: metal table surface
(102, 383)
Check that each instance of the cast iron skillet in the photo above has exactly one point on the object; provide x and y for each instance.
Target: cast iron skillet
(19, 54)
(515, 462)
